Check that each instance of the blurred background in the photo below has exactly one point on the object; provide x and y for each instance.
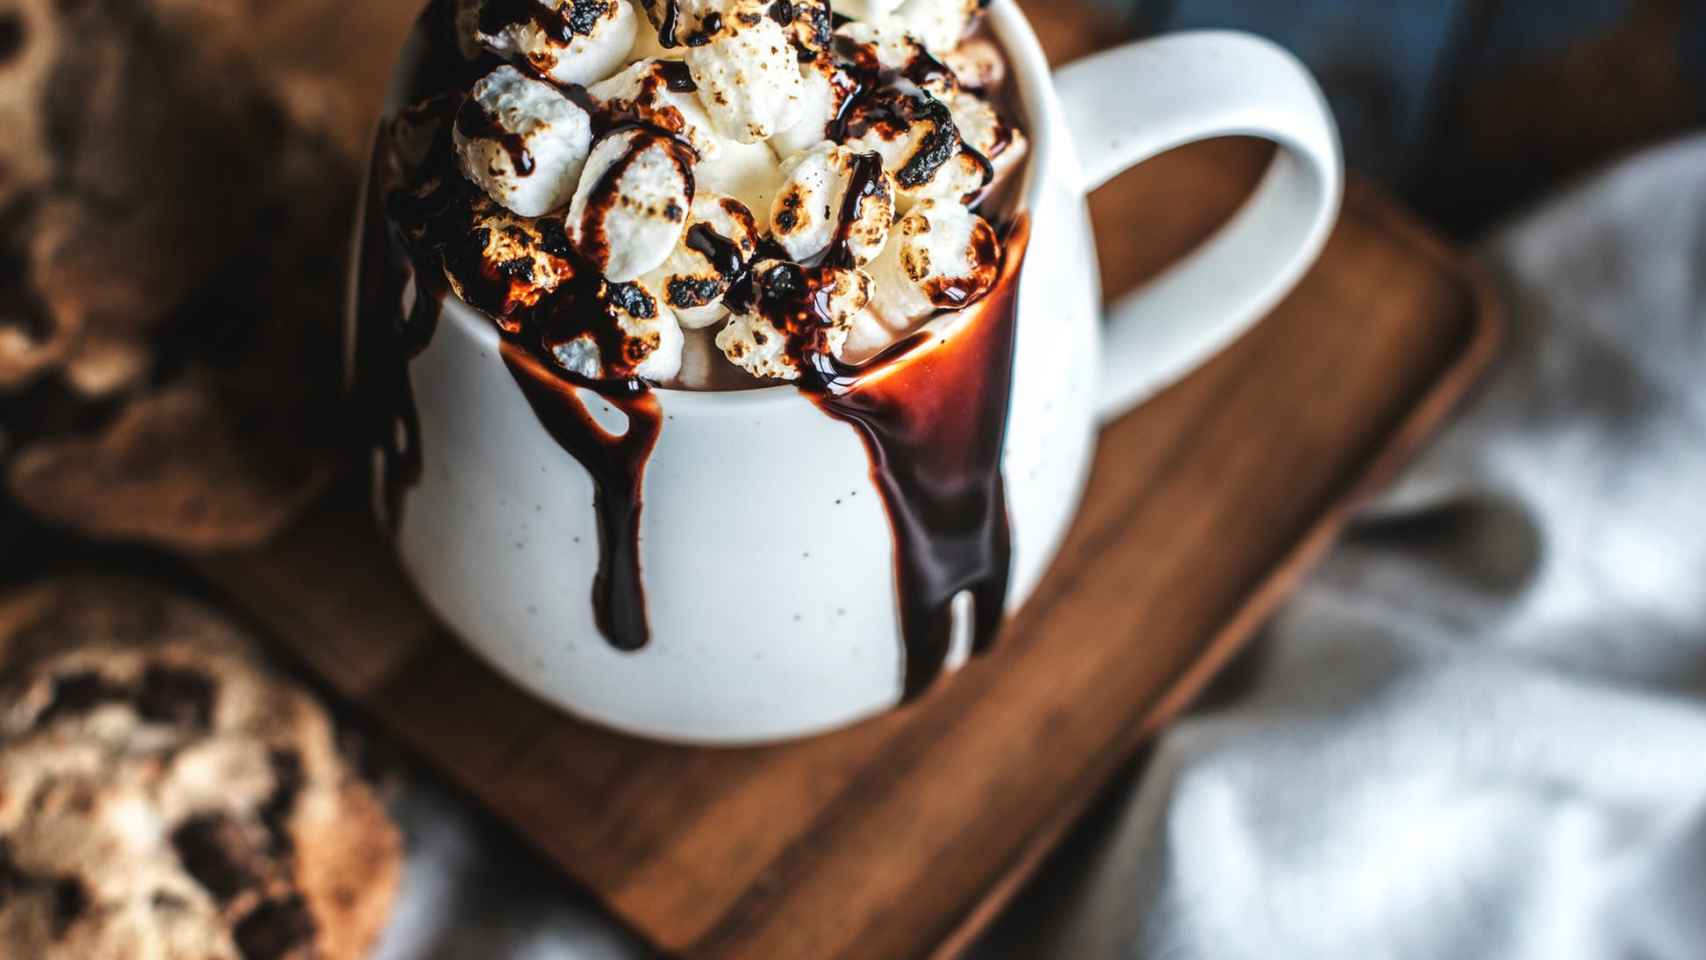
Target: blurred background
(1472, 109)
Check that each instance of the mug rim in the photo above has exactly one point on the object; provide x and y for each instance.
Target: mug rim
(1031, 72)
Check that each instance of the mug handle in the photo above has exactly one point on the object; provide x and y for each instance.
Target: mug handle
(1128, 104)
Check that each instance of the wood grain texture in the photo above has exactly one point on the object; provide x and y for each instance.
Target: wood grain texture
(901, 837)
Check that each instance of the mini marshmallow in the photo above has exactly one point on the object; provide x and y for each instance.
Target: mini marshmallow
(570, 41)
(809, 24)
(638, 331)
(720, 240)
(824, 88)
(794, 311)
(632, 203)
(980, 127)
(884, 49)
(661, 93)
(868, 335)
(877, 44)
(746, 171)
(522, 142)
(983, 130)
(977, 64)
(919, 143)
(942, 257)
(694, 21)
(748, 76)
(869, 11)
(938, 24)
(807, 213)
(505, 263)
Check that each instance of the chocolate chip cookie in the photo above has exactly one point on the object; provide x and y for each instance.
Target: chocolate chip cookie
(164, 796)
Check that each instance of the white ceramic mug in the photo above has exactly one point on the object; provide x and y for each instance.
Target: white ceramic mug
(769, 562)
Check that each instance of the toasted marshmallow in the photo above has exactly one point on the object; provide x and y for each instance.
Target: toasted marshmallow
(938, 24)
(659, 93)
(885, 50)
(868, 335)
(867, 11)
(631, 335)
(809, 24)
(877, 44)
(631, 206)
(720, 240)
(746, 171)
(824, 88)
(662, 93)
(977, 64)
(983, 130)
(679, 23)
(942, 256)
(570, 41)
(806, 217)
(748, 76)
(505, 263)
(793, 312)
(980, 127)
(522, 142)
(919, 143)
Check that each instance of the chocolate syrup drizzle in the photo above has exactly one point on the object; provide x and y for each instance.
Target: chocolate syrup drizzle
(570, 19)
(617, 465)
(934, 427)
(722, 253)
(474, 121)
(412, 222)
(387, 338)
(676, 76)
(890, 102)
(667, 24)
(935, 431)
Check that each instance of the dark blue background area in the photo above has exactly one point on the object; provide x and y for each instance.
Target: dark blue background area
(1397, 71)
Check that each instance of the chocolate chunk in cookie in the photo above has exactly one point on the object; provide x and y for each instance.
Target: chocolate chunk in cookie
(162, 794)
(184, 697)
(274, 929)
(218, 855)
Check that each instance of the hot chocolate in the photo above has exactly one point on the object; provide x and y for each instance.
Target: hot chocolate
(718, 194)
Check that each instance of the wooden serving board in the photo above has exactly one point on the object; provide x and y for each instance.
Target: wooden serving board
(902, 837)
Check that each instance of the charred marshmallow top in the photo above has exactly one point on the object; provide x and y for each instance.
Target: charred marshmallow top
(522, 141)
(616, 171)
(568, 41)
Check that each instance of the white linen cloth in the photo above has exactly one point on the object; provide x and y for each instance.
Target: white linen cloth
(1480, 730)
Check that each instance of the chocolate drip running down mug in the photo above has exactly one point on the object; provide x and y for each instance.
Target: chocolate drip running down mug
(785, 585)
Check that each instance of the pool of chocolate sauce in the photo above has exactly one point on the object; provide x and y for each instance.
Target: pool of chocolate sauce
(931, 415)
